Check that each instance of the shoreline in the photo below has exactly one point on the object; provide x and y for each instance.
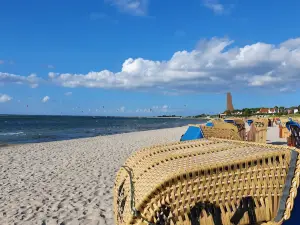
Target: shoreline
(2, 145)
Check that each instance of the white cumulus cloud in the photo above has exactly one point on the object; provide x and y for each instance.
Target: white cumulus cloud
(214, 5)
(32, 80)
(134, 7)
(68, 93)
(215, 65)
(5, 98)
(45, 99)
(52, 75)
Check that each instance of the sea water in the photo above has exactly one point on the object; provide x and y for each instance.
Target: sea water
(31, 129)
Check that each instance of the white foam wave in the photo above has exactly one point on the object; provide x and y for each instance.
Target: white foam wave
(11, 133)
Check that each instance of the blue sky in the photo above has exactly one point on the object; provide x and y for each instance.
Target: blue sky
(147, 57)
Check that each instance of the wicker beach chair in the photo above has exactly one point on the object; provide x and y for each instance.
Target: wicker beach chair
(228, 126)
(215, 123)
(283, 130)
(241, 127)
(233, 122)
(258, 130)
(207, 182)
(221, 130)
(257, 134)
(294, 128)
(224, 133)
(261, 123)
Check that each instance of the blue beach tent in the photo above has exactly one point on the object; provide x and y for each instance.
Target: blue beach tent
(192, 133)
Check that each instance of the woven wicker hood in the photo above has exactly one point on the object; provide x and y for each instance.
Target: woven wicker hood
(207, 181)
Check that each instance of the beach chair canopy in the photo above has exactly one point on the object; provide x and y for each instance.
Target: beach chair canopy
(229, 121)
(295, 134)
(250, 121)
(207, 181)
(294, 129)
(209, 124)
(291, 122)
(192, 133)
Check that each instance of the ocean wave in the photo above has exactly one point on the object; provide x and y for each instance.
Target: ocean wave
(11, 133)
(33, 129)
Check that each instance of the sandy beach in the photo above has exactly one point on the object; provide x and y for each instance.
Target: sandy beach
(67, 182)
(70, 182)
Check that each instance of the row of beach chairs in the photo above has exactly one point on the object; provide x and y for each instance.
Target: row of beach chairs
(231, 129)
(220, 173)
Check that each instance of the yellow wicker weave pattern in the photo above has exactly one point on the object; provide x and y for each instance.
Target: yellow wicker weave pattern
(291, 199)
(261, 123)
(283, 121)
(223, 125)
(161, 151)
(261, 135)
(224, 133)
(285, 132)
(168, 146)
(237, 120)
(218, 171)
(215, 121)
(239, 128)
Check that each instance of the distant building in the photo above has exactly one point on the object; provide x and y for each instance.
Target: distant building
(222, 115)
(292, 110)
(264, 110)
(267, 111)
(229, 102)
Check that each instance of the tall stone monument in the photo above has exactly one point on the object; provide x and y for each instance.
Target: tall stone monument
(229, 102)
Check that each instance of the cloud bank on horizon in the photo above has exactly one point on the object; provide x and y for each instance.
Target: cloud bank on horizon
(214, 65)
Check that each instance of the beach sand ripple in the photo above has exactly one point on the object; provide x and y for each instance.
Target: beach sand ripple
(68, 182)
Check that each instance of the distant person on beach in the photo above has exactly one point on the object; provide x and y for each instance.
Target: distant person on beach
(269, 123)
